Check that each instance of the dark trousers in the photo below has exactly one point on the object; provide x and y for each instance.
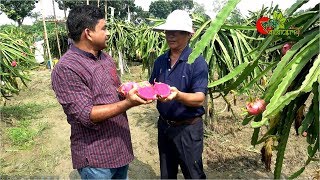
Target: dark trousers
(181, 145)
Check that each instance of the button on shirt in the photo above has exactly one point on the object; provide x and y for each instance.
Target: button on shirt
(80, 81)
(189, 78)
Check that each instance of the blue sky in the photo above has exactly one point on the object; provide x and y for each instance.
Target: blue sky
(244, 6)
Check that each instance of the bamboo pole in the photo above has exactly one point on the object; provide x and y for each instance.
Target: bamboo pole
(64, 10)
(87, 2)
(105, 10)
(56, 29)
(98, 3)
(46, 35)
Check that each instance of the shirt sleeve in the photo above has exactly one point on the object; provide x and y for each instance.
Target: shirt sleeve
(199, 82)
(74, 96)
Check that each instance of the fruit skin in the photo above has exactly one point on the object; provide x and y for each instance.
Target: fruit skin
(286, 47)
(256, 107)
(162, 89)
(14, 63)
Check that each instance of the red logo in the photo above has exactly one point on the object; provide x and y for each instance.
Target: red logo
(260, 25)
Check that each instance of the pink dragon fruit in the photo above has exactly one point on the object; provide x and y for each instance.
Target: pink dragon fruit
(256, 107)
(14, 63)
(286, 47)
(162, 89)
(126, 87)
(146, 91)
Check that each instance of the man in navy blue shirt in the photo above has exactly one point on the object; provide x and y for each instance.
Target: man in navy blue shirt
(180, 126)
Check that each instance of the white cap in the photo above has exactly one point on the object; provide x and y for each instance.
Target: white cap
(178, 20)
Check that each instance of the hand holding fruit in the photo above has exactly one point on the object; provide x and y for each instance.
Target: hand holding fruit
(133, 98)
(149, 92)
(173, 95)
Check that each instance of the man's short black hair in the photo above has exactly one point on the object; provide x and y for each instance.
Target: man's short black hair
(82, 17)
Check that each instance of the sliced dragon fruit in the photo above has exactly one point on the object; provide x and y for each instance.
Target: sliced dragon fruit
(162, 89)
(126, 87)
(147, 93)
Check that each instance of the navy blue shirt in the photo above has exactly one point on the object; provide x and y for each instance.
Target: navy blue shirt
(189, 78)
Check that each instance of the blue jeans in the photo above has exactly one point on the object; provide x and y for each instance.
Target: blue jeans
(104, 173)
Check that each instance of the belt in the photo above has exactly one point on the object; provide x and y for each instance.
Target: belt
(189, 121)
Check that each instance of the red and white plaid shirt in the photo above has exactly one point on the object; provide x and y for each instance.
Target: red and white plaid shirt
(80, 81)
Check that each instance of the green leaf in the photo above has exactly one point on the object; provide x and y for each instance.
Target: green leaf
(229, 76)
(239, 27)
(242, 77)
(294, 67)
(213, 29)
(283, 67)
(225, 54)
(294, 7)
(236, 46)
(199, 31)
(247, 120)
(307, 121)
(297, 173)
(257, 78)
(278, 104)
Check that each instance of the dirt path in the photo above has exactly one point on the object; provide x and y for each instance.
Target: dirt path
(227, 153)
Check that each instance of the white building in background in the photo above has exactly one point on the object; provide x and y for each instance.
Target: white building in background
(39, 51)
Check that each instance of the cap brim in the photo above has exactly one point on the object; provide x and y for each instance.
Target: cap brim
(165, 27)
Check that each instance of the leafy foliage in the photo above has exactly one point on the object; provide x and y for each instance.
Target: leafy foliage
(22, 133)
(16, 59)
(120, 11)
(162, 8)
(295, 77)
(17, 10)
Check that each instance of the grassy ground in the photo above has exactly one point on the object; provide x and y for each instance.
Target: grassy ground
(35, 139)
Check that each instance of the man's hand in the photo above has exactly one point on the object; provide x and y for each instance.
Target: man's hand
(189, 99)
(173, 95)
(134, 99)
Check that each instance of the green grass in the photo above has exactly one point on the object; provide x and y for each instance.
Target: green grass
(21, 111)
(135, 75)
(25, 123)
(21, 136)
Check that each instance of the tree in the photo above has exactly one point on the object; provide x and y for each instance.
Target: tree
(181, 4)
(17, 10)
(162, 8)
(198, 9)
(35, 15)
(120, 11)
(140, 15)
(236, 17)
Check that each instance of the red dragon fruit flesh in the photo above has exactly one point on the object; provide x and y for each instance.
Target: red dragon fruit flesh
(126, 87)
(147, 93)
(162, 89)
(146, 90)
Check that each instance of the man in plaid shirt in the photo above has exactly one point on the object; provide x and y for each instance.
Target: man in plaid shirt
(85, 82)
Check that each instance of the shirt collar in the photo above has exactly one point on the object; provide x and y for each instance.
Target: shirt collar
(183, 56)
(87, 54)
